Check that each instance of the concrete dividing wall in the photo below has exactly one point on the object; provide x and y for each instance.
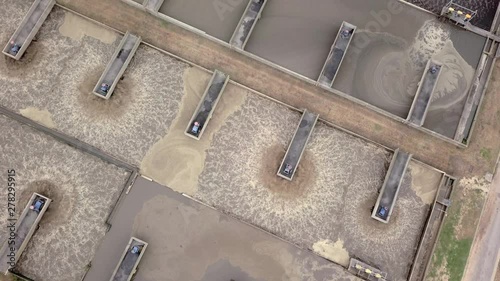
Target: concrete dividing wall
(390, 189)
(28, 28)
(297, 146)
(117, 65)
(127, 265)
(426, 88)
(337, 53)
(24, 229)
(247, 23)
(207, 105)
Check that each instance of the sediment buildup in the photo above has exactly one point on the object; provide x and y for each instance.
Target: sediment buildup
(426, 87)
(247, 23)
(337, 53)
(206, 107)
(117, 65)
(298, 145)
(21, 234)
(28, 28)
(390, 189)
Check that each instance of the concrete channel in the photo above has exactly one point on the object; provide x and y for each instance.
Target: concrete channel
(247, 23)
(426, 88)
(28, 28)
(366, 271)
(390, 189)
(25, 227)
(116, 66)
(297, 146)
(206, 107)
(337, 54)
(129, 260)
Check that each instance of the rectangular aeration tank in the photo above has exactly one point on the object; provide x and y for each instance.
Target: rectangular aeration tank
(129, 260)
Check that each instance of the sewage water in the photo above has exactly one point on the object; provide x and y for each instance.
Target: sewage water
(218, 18)
(486, 9)
(387, 55)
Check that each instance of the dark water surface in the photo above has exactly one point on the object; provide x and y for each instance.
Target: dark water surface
(485, 9)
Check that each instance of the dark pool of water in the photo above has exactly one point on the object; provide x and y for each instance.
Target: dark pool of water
(486, 9)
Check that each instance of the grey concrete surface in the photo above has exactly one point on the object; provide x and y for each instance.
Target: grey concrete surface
(83, 189)
(247, 23)
(426, 88)
(29, 27)
(218, 18)
(392, 183)
(125, 126)
(25, 227)
(191, 242)
(298, 144)
(336, 55)
(207, 103)
(117, 65)
(387, 55)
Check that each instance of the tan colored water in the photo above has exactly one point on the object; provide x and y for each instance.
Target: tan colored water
(43, 117)
(77, 27)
